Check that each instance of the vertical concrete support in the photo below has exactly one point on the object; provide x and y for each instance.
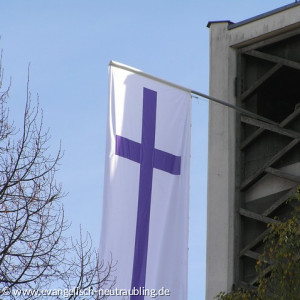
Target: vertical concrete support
(220, 206)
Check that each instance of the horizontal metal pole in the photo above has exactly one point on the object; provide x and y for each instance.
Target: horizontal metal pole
(137, 71)
(232, 106)
(237, 108)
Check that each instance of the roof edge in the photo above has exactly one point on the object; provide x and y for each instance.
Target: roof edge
(213, 22)
(263, 15)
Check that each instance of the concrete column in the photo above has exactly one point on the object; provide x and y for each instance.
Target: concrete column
(220, 206)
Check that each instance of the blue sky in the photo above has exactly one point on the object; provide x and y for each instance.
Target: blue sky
(69, 44)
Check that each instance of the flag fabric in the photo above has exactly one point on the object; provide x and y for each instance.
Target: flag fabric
(146, 186)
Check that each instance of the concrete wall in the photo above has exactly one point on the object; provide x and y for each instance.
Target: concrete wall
(219, 274)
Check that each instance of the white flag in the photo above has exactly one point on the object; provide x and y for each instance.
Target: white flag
(146, 190)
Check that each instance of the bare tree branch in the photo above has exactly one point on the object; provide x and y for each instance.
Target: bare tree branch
(34, 252)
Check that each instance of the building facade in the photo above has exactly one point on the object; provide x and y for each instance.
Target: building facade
(253, 166)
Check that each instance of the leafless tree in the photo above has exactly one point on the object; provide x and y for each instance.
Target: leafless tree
(84, 271)
(34, 252)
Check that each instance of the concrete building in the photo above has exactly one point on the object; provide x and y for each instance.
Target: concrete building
(253, 166)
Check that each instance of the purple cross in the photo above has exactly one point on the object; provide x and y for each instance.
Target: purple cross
(148, 157)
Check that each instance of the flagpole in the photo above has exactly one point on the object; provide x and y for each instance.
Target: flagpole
(137, 71)
(191, 91)
(237, 108)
